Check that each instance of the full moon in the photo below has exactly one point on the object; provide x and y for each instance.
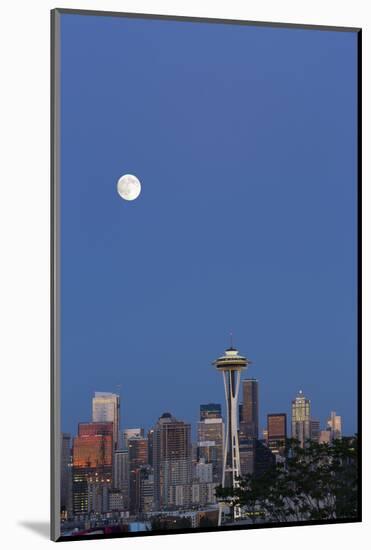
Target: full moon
(128, 187)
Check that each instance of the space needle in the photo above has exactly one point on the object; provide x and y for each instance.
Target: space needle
(231, 364)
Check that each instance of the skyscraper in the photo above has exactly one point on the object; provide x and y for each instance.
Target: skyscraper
(249, 419)
(210, 410)
(106, 408)
(277, 432)
(146, 489)
(239, 413)
(127, 434)
(91, 463)
(263, 458)
(315, 430)
(172, 462)
(210, 441)
(334, 425)
(121, 474)
(93, 445)
(300, 418)
(231, 364)
(150, 446)
(138, 456)
(203, 471)
(256, 457)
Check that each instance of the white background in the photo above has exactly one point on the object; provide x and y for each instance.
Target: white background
(24, 273)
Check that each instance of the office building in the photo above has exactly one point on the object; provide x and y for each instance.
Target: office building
(210, 410)
(210, 441)
(334, 425)
(315, 430)
(256, 458)
(127, 434)
(121, 475)
(106, 408)
(138, 456)
(150, 446)
(249, 416)
(92, 455)
(300, 419)
(240, 411)
(146, 489)
(93, 446)
(203, 471)
(116, 501)
(277, 432)
(172, 462)
(203, 493)
(120, 469)
(264, 459)
(98, 491)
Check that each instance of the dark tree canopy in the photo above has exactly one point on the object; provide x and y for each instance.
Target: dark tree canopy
(315, 483)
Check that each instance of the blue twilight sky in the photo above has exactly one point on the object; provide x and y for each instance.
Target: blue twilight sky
(244, 139)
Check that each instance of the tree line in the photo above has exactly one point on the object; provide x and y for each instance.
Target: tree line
(318, 482)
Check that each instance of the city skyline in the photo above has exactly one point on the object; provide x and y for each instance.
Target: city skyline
(251, 381)
(121, 478)
(266, 396)
(140, 430)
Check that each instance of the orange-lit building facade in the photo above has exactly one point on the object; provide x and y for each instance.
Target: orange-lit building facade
(92, 454)
(93, 446)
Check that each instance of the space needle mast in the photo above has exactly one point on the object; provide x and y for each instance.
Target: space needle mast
(231, 364)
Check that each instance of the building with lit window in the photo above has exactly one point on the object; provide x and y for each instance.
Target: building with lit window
(92, 455)
(116, 501)
(300, 419)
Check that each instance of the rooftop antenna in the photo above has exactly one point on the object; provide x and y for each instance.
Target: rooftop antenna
(231, 338)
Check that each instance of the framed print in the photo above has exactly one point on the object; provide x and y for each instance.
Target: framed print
(205, 275)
